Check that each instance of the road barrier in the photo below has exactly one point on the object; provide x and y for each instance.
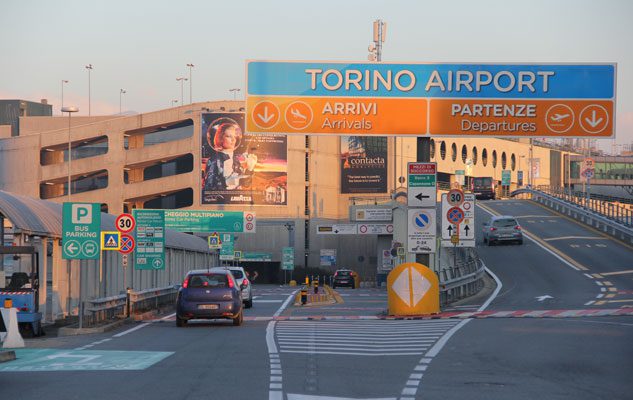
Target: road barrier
(464, 279)
(112, 308)
(617, 225)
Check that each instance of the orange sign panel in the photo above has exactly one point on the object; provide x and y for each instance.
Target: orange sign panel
(337, 116)
(521, 118)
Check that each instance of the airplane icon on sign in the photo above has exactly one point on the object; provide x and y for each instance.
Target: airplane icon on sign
(559, 117)
(297, 113)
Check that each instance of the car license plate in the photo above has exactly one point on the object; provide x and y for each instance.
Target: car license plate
(208, 306)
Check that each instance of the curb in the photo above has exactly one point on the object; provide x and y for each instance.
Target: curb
(7, 356)
(70, 331)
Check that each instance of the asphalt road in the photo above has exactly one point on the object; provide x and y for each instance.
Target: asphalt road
(346, 351)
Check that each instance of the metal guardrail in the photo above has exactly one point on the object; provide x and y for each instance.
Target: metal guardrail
(619, 226)
(609, 207)
(106, 309)
(463, 279)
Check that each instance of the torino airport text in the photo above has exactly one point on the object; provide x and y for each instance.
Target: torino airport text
(450, 81)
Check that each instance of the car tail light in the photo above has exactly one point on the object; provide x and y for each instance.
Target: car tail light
(351, 274)
(493, 229)
(231, 283)
(336, 274)
(245, 282)
(23, 309)
(185, 283)
(518, 228)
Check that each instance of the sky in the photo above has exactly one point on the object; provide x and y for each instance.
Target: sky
(142, 46)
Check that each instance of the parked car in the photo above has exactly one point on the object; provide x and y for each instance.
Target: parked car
(209, 294)
(345, 277)
(242, 281)
(503, 228)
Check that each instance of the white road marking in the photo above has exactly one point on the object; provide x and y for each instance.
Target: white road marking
(136, 328)
(283, 306)
(267, 301)
(293, 396)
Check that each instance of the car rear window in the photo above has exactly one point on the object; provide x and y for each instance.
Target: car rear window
(237, 273)
(208, 280)
(505, 223)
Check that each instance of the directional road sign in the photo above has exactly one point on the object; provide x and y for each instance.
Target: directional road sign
(411, 99)
(226, 252)
(422, 184)
(288, 259)
(421, 232)
(81, 229)
(462, 232)
(337, 229)
(210, 221)
(506, 176)
(150, 239)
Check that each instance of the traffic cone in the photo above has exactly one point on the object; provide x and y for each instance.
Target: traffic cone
(13, 339)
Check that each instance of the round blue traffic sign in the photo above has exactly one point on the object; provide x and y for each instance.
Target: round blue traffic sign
(422, 220)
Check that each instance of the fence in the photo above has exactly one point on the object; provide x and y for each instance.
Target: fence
(616, 211)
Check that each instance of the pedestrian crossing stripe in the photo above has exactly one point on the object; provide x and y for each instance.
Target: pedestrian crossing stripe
(110, 240)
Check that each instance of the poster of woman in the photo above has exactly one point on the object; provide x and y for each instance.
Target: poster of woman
(239, 168)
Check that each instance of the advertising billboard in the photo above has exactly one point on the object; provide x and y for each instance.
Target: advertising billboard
(241, 168)
(363, 164)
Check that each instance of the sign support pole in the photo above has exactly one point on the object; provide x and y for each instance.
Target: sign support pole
(423, 154)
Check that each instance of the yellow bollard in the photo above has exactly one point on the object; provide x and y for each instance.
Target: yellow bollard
(304, 296)
(413, 289)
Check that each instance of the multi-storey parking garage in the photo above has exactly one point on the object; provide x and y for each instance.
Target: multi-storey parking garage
(160, 160)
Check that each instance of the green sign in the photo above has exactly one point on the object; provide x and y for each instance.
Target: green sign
(256, 256)
(149, 253)
(288, 258)
(505, 177)
(227, 250)
(81, 231)
(422, 180)
(209, 221)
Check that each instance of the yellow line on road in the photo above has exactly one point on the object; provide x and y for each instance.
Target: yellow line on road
(620, 301)
(630, 271)
(591, 228)
(575, 237)
(544, 243)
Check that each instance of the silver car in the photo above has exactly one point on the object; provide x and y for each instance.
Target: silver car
(503, 228)
(244, 283)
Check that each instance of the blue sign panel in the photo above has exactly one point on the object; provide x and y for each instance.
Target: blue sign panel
(496, 81)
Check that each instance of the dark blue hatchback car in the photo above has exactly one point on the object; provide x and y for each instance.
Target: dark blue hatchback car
(209, 294)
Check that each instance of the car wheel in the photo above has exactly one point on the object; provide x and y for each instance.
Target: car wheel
(490, 242)
(485, 240)
(333, 286)
(180, 322)
(248, 303)
(353, 286)
(520, 242)
(237, 321)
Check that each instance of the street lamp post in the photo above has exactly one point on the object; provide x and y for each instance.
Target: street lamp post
(182, 82)
(69, 110)
(121, 93)
(234, 90)
(190, 82)
(89, 68)
(63, 81)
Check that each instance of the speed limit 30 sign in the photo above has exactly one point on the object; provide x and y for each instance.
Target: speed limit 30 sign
(125, 223)
(455, 197)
